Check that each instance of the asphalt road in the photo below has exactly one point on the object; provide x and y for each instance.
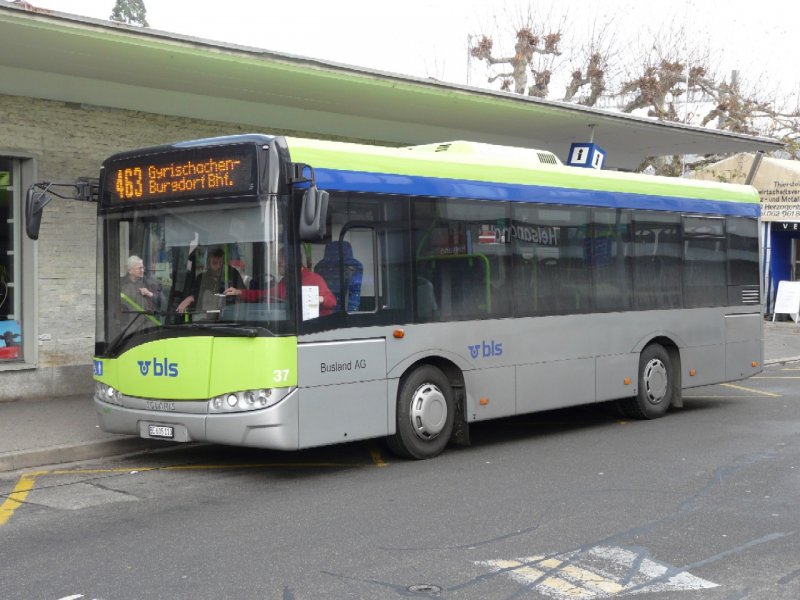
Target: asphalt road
(564, 504)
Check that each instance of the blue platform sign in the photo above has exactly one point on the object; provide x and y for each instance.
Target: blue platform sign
(586, 155)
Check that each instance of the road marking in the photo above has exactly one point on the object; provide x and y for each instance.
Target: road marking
(377, 460)
(751, 390)
(775, 377)
(721, 397)
(598, 572)
(18, 495)
(27, 480)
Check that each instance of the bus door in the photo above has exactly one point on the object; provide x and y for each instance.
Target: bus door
(342, 356)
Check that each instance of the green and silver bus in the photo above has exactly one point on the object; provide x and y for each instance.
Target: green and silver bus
(471, 282)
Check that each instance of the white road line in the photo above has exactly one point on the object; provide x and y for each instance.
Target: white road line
(599, 572)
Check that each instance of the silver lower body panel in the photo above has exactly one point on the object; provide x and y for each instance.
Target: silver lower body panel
(275, 427)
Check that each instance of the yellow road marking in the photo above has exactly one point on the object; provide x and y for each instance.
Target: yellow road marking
(377, 459)
(593, 582)
(18, 495)
(308, 465)
(752, 391)
(531, 574)
(27, 480)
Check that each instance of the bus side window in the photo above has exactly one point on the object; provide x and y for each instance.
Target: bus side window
(427, 307)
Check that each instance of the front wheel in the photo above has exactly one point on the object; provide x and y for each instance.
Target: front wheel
(656, 383)
(425, 414)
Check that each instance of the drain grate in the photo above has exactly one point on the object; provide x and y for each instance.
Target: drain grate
(424, 588)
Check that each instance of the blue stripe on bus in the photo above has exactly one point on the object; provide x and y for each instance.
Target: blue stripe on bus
(356, 181)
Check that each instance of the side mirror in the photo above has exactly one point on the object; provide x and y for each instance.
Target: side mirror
(35, 201)
(313, 214)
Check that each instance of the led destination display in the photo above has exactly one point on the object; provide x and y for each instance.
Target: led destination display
(194, 173)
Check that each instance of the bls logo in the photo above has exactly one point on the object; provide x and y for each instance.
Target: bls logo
(160, 368)
(487, 349)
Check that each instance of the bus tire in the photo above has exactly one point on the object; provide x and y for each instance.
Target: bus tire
(656, 385)
(425, 414)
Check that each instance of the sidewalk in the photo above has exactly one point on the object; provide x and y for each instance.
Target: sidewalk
(46, 432)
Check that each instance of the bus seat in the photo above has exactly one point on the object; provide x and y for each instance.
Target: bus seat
(328, 268)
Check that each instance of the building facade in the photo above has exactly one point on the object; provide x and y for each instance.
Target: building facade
(778, 184)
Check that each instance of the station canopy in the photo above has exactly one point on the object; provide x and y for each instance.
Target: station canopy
(56, 56)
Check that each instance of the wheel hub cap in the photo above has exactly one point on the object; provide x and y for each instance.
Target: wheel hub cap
(655, 381)
(428, 411)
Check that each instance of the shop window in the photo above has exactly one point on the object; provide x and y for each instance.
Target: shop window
(10, 301)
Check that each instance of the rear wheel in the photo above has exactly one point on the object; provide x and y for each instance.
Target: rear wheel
(425, 414)
(656, 385)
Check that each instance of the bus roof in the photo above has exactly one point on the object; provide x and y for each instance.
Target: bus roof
(502, 165)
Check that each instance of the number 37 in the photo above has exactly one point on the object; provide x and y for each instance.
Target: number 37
(280, 375)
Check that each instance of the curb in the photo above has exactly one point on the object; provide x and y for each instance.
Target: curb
(26, 459)
(781, 361)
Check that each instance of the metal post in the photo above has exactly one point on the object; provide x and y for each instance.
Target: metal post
(754, 167)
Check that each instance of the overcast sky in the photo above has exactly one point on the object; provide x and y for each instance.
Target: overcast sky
(428, 38)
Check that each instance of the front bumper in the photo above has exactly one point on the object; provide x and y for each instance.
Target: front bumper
(274, 427)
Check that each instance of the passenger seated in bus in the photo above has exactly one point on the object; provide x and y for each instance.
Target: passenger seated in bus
(328, 268)
(137, 294)
(327, 301)
(212, 284)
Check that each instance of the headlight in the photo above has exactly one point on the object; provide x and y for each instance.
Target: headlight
(246, 400)
(106, 393)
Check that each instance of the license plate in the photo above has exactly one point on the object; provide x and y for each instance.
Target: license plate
(161, 431)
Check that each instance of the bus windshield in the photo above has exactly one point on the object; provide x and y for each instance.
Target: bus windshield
(192, 268)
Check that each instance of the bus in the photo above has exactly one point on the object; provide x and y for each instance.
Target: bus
(404, 293)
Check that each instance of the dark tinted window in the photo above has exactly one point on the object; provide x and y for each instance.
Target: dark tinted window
(612, 259)
(552, 260)
(704, 281)
(462, 261)
(742, 251)
(657, 260)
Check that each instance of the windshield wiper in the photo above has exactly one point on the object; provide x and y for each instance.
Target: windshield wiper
(231, 329)
(116, 342)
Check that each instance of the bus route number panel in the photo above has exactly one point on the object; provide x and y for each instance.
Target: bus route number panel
(193, 173)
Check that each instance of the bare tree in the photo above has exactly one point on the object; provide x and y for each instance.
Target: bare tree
(536, 48)
(669, 78)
